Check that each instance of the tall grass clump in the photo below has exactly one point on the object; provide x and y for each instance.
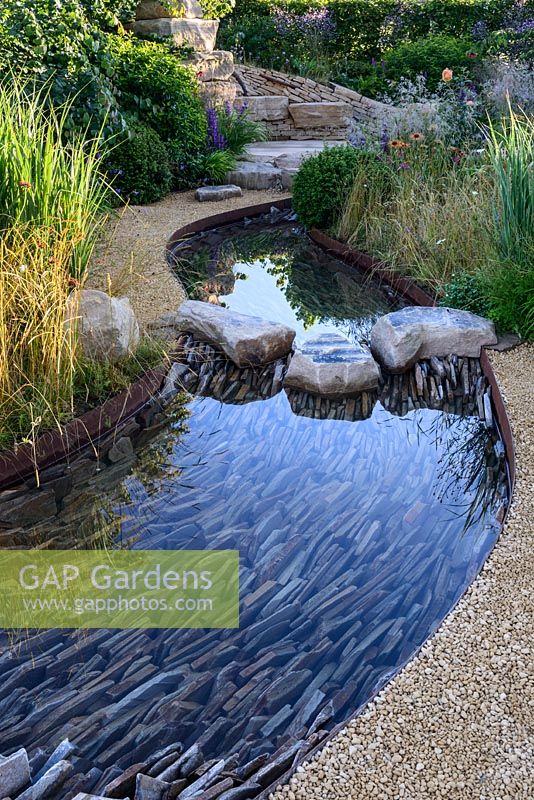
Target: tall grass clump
(48, 178)
(430, 219)
(51, 198)
(511, 151)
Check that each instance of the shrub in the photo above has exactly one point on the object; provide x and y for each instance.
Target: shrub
(160, 92)
(323, 184)
(467, 291)
(510, 292)
(138, 166)
(428, 57)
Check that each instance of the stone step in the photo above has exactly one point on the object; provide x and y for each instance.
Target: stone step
(199, 33)
(255, 175)
(320, 115)
(287, 155)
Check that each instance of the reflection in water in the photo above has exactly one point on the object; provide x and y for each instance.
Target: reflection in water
(356, 538)
(281, 275)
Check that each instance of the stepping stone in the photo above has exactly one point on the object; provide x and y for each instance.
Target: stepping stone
(266, 108)
(215, 193)
(14, 773)
(403, 337)
(246, 340)
(331, 366)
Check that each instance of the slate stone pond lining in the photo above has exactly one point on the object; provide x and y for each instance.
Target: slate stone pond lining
(340, 584)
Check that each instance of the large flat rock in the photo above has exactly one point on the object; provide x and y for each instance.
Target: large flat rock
(403, 337)
(199, 33)
(151, 9)
(217, 93)
(320, 115)
(217, 193)
(288, 154)
(246, 340)
(250, 175)
(331, 366)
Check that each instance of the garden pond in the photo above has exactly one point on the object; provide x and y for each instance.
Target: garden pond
(359, 524)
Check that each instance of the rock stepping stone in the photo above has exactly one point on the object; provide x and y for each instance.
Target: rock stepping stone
(246, 340)
(403, 337)
(216, 193)
(255, 175)
(331, 366)
(320, 114)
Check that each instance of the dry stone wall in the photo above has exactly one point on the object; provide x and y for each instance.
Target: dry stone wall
(261, 83)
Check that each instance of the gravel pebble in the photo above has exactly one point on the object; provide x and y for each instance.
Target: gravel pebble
(457, 722)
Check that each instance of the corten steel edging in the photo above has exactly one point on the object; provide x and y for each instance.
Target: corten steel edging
(224, 218)
(79, 435)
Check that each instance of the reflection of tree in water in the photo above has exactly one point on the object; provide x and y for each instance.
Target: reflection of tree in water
(471, 477)
(313, 283)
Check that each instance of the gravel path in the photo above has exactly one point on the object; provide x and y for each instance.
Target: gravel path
(457, 723)
(130, 257)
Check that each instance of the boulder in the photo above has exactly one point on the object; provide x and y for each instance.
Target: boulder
(217, 93)
(320, 115)
(331, 366)
(403, 337)
(251, 175)
(246, 340)
(216, 193)
(266, 108)
(14, 773)
(107, 326)
(151, 9)
(215, 66)
(199, 33)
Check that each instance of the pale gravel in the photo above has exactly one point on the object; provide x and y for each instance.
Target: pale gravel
(130, 258)
(458, 721)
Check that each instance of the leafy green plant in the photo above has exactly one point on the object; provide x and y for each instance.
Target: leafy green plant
(467, 291)
(238, 130)
(138, 166)
(511, 150)
(324, 182)
(160, 92)
(510, 292)
(213, 166)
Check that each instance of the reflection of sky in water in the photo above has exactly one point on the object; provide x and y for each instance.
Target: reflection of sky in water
(258, 294)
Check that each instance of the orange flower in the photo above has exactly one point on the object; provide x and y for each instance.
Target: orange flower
(398, 144)
(446, 75)
(25, 185)
(416, 137)
(73, 282)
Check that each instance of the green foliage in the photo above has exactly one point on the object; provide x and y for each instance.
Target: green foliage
(323, 184)
(138, 166)
(467, 291)
(510, 292)
(429, 56)
(213, 166)
(511, 148)
(239, 130)
(217, 9)
(44, 182)
(160, 91)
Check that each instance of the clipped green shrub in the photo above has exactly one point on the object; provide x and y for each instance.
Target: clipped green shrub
(429, 57)
(160, 91)
(323, 184)
(138, 167)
